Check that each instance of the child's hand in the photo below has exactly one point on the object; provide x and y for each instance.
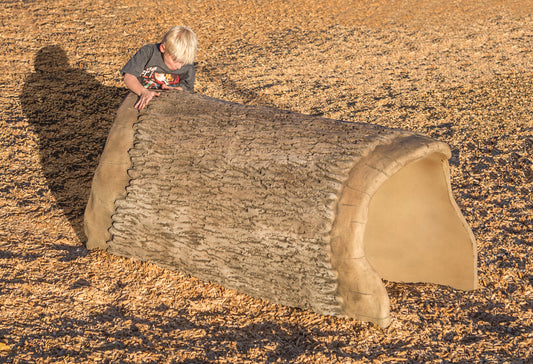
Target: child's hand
(144, 98)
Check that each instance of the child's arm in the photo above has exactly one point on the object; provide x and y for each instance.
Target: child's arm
(135, 86)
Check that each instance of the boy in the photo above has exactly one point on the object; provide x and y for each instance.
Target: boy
(163, 66)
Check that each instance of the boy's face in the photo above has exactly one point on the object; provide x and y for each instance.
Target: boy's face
(171, 62)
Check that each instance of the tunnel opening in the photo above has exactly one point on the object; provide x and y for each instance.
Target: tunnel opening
(415, 231)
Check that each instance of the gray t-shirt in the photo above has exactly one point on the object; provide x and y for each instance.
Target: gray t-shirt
(151, 71)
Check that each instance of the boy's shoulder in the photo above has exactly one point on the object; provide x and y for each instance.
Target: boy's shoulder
(150, 48)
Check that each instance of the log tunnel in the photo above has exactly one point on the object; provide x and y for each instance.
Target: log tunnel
(299, 210)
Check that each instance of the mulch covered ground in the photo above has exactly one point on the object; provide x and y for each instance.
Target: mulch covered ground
(459, 71)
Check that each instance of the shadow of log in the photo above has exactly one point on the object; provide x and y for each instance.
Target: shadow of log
(71, 113)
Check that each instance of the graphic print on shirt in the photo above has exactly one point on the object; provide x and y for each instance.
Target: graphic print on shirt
(153, 80)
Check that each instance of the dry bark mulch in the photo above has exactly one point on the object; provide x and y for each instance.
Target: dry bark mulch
(458, 71)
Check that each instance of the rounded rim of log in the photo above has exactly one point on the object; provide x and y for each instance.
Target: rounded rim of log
(367, 298)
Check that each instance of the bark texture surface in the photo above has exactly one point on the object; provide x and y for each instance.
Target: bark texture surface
(268, 202)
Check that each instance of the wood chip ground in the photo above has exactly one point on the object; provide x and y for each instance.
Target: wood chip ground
(458, 71)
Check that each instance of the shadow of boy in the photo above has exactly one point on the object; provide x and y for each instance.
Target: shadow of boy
(71, 113)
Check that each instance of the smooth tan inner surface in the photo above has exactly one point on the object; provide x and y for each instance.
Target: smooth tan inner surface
(415, 232)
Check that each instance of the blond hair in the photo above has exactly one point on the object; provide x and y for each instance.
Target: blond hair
(181, 43)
